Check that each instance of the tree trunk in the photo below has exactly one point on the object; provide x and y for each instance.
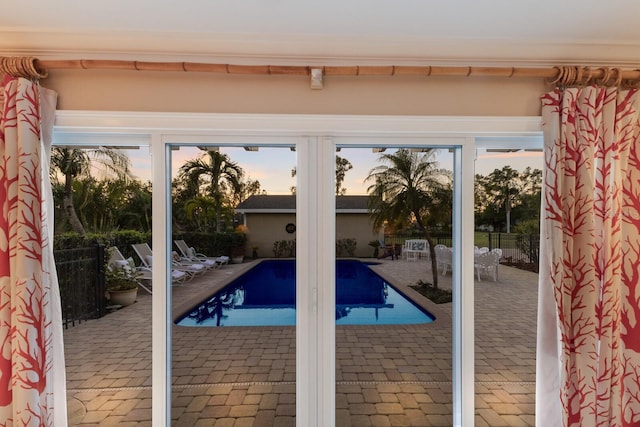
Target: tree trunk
(434, 261)
(70, 211)
(432, 252)
(218, 213)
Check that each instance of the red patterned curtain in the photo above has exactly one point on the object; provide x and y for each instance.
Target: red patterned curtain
(589, 291)
(32, 379)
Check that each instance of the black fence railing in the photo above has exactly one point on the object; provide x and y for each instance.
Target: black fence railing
(516, 248)
(82, 283)
(438, 239)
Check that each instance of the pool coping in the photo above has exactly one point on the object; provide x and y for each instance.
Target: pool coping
(442, 318)
(210, 290)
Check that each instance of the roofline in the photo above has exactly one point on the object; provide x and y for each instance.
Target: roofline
(283, 211)
(265, 210)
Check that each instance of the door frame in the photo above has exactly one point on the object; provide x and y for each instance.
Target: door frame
(315, 138)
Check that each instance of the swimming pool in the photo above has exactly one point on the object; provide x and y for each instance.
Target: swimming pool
(266, 296)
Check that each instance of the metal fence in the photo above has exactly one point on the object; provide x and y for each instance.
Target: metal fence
(82, 283)
(438, 239)
(516, 248)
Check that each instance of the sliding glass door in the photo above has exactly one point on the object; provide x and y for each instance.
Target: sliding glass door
(320, 236)
(393, 313)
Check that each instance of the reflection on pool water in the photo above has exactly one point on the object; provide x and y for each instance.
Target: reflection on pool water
(266, 296)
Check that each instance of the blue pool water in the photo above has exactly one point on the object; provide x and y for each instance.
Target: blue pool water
(266, 296)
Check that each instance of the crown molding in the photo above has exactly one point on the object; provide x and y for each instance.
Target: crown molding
(312, 50)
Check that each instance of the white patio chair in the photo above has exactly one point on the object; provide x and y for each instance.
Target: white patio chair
(444, 258)
(416, 249)
(487, 263)
(497, 251)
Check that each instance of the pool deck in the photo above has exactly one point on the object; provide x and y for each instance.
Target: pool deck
(393, 375)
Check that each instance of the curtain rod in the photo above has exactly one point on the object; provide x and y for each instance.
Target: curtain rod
(560, 75)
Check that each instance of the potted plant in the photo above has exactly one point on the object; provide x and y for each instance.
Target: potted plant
(237, 254)
(239, 241)
(122, 286)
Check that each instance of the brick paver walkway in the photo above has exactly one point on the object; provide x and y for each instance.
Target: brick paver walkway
(386, 375)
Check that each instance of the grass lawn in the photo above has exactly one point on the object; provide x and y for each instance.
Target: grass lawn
(502, 240)
(481, 238)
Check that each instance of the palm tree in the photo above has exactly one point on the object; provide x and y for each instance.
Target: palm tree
(221, 177)
(404, 190)
(136, 213)
(76, 162)
(342, 167)
(199, 209)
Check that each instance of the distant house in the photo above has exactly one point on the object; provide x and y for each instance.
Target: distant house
(273, 218)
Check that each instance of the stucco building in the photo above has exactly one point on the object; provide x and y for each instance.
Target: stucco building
(273, 218)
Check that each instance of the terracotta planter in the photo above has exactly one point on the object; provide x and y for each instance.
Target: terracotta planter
(123, 298)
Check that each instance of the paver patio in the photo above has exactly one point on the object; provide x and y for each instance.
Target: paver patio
(245, 376)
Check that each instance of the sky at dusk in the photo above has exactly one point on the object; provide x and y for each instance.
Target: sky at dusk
(272, 166)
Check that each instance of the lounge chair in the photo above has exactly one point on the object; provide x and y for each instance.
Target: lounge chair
(387, 251)
(117, 260)
(189, 253)
(145, 254)
(206, 263)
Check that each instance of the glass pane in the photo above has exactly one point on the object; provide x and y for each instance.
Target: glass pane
(233, 340)
(107, 341)
(393, 343)
(507, 218)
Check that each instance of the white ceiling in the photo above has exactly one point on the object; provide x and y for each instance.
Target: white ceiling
(491, 32)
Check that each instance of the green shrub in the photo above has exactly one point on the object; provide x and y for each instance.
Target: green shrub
(70, 241)
(123, 239)
(213, 244)
(346, 247)
(528, 239)
(284, 249)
